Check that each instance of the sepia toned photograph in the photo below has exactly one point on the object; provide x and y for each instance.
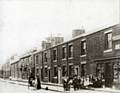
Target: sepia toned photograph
(59, 46)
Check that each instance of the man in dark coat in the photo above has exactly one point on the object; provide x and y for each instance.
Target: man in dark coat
(75, 82)
(65, 84)
(79, 83)
(30, 81)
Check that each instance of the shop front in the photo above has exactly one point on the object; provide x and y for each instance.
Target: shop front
(109, 71)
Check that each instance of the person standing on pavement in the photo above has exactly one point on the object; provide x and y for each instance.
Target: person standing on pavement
(69, 82)
(75, 82)
(65, 84)
(79, 83)
(37, 82)
(30, 81)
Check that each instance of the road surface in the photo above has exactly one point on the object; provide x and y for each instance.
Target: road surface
(7, 87)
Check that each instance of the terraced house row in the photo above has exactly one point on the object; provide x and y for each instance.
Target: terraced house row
(96, 53)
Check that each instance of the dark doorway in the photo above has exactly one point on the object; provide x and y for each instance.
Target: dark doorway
(108, 74)
(49, 75)
(83, 70)
(42, 74)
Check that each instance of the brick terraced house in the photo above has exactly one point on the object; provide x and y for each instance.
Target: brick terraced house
(96, 53)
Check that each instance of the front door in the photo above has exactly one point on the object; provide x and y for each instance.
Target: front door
(49, 75)
(59, 75)
(108, 74)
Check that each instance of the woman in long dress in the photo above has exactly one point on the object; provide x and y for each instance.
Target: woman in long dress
(38, 86)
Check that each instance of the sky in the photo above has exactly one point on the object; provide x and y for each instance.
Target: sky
(25, 23)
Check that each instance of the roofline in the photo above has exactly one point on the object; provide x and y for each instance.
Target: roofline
(77, 37)
(80, 36)
(14, 62)
(25, 56)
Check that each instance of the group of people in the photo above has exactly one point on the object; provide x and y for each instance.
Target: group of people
(34, 82)
(82, 82)
(76, 82)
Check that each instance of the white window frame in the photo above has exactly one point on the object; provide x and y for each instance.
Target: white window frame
(106, 32)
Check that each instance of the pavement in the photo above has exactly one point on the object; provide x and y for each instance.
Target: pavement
(59, 88)
(6, 87)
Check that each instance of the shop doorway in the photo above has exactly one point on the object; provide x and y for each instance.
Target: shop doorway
(109, 75)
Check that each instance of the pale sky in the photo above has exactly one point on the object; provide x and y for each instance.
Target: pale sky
(24, 23)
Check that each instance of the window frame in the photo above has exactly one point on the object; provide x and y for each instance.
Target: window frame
(83, 47)
(37, 59)
(64, 51)
(45, 57)
(54, 54)
(70, 50)
(108, 41)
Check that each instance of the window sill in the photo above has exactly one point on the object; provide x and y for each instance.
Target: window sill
(70, 58)
(54, 60)
(55, 77)
(108, 50)
(46, 77)
(36, 64)
(83, 62)
(63, 59)
(83, 56)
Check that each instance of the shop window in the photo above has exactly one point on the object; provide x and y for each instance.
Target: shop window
(101, 70)
(116, 71)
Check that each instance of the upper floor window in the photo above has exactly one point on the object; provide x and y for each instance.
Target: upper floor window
(45, 56)
(108, 40)
(27, 59)
(36, 59)
(63, 52)
(83, 47)
(55, 54)
(70, 50)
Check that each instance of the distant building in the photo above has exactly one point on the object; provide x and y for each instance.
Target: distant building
(77, 32)
(5, 70)
(52, 41)
(56, 40)
(46, 44)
